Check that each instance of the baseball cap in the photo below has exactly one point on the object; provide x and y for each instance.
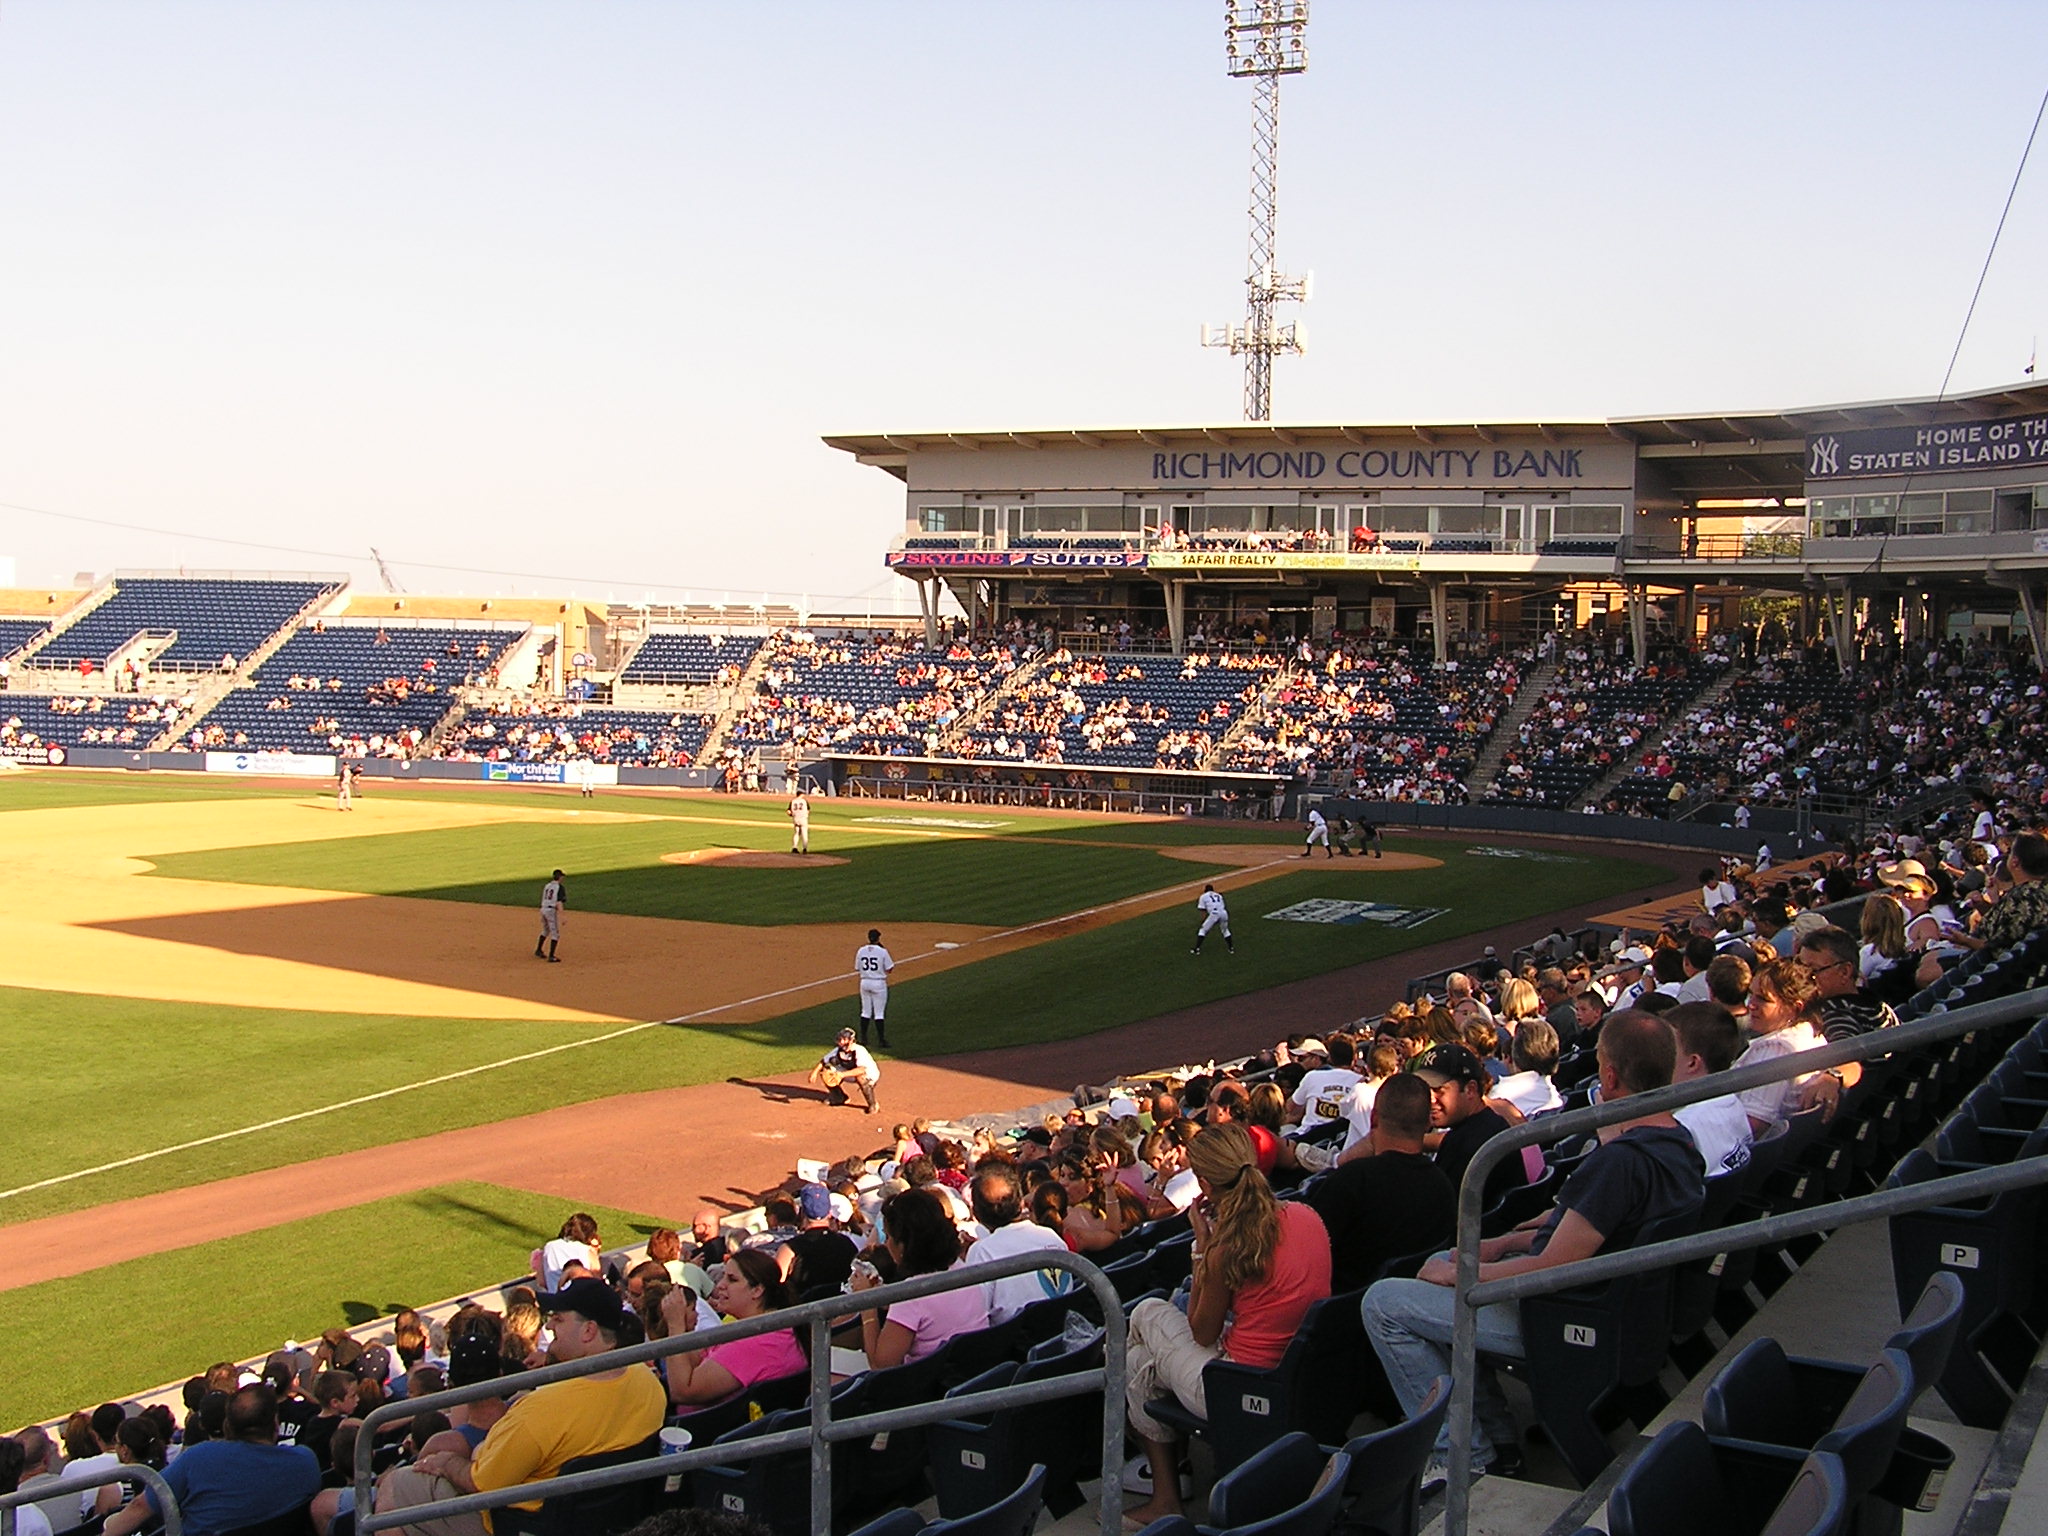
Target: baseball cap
(587, 1297)
(474, 1358)
(1809, 922)
(1121, 1108)
(1309, 1045)
(815, 1201)
(1449, 1064)
(847, 1033)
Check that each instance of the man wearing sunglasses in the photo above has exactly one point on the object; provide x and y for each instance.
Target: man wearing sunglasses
(1843, 1007)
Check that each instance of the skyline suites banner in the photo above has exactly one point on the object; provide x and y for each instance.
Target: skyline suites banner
(1951, 448)
(1026, 559)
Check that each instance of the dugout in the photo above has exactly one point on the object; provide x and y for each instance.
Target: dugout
(1928, 516)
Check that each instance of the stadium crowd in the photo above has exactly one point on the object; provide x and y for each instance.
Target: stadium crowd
(1597, 709)
(1319, 1166)
(1371, 718)
(549, 731)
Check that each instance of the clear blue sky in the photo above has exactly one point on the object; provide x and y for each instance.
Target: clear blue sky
(573, 288)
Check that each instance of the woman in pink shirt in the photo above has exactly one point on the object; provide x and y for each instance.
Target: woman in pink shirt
(1258, 1266)
(751, 1284)
(922, 1240)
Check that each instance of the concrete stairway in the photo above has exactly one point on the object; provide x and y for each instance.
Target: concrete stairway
(1600, 788)
(1506, 729)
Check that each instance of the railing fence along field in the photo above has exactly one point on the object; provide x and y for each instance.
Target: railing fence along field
(147, 1477)
(823, 1431)
(1471, 1294)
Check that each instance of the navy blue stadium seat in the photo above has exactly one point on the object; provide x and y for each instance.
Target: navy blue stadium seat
(212, 617)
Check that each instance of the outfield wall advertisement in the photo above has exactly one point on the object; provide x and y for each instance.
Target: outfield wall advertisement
(594, 774)
(297, 765)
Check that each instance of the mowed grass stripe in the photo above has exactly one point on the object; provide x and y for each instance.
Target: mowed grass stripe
(74, 1344)
(1140, 968)
(616, 868)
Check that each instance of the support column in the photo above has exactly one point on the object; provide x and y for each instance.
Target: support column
(2030, 605)
(1840, 610)
(1176, 593)
(1639, 621)
(1439, 618)
(928, 608)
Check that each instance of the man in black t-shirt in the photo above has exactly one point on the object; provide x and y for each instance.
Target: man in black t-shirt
(1458, 1085)
(1642, 1171)
(818, 1257)
(1392, 1202)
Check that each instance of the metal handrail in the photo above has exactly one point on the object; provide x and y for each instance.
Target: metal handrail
(822, 1432)
(148, 1477)
(1469, 1294)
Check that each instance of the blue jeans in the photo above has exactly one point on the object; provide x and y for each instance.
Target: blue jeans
(1409, 1323)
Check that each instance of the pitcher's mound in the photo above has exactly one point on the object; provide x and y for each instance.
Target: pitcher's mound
(747, 858)
(1267, 853)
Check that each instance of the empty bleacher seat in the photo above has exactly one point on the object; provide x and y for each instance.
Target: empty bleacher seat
(16, 633)
(360, 689)
(1683, 1486)
(213, 618)
(679, 658)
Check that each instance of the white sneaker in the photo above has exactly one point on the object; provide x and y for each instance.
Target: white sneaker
(1138, 1478)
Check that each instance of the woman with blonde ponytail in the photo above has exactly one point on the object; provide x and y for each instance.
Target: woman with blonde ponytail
(1258, 1264)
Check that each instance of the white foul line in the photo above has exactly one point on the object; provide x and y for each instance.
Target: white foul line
(572, 1045)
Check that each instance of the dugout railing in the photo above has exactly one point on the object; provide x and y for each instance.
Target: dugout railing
(73, 1483)
(823, 1431)
(1470, 1293)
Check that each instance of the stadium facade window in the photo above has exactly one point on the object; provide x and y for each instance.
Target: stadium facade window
(1053, 519)
(1920, 512)
(1213, 518)
(1468, 520)
(1829, 517)
(949, 519)
(1969, 511)
(1586, 522)
(1392, 519)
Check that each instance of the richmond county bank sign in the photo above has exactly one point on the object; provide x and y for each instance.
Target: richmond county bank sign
(1421, 465)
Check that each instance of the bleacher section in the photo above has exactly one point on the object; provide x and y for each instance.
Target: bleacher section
(865, 695)
(1595, 713)
(213, 618)
(359, 689)
(95, 720)
(675, 658)
(1381, 722)
(636, 738)
(1121, 711)
(15, 633)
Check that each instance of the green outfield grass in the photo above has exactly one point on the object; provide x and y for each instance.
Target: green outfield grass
(188, 1071)
(109, 1333)
(997, 881)
(1140, 967)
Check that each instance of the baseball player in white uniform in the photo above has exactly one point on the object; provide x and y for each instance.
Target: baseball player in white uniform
(1318, 832)
(872, 964)
(553, 897)
(849, 1063)
(586, 778)
(799, 823)
(345, 786)
(1214, 915)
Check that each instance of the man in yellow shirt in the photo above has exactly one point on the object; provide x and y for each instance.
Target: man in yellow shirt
(554, 1424)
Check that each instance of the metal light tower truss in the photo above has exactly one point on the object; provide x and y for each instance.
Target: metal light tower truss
(1263, 40)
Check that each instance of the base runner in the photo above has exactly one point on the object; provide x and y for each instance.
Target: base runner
(553, 897)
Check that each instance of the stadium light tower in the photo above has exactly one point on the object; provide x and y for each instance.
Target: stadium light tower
(1263, 40)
